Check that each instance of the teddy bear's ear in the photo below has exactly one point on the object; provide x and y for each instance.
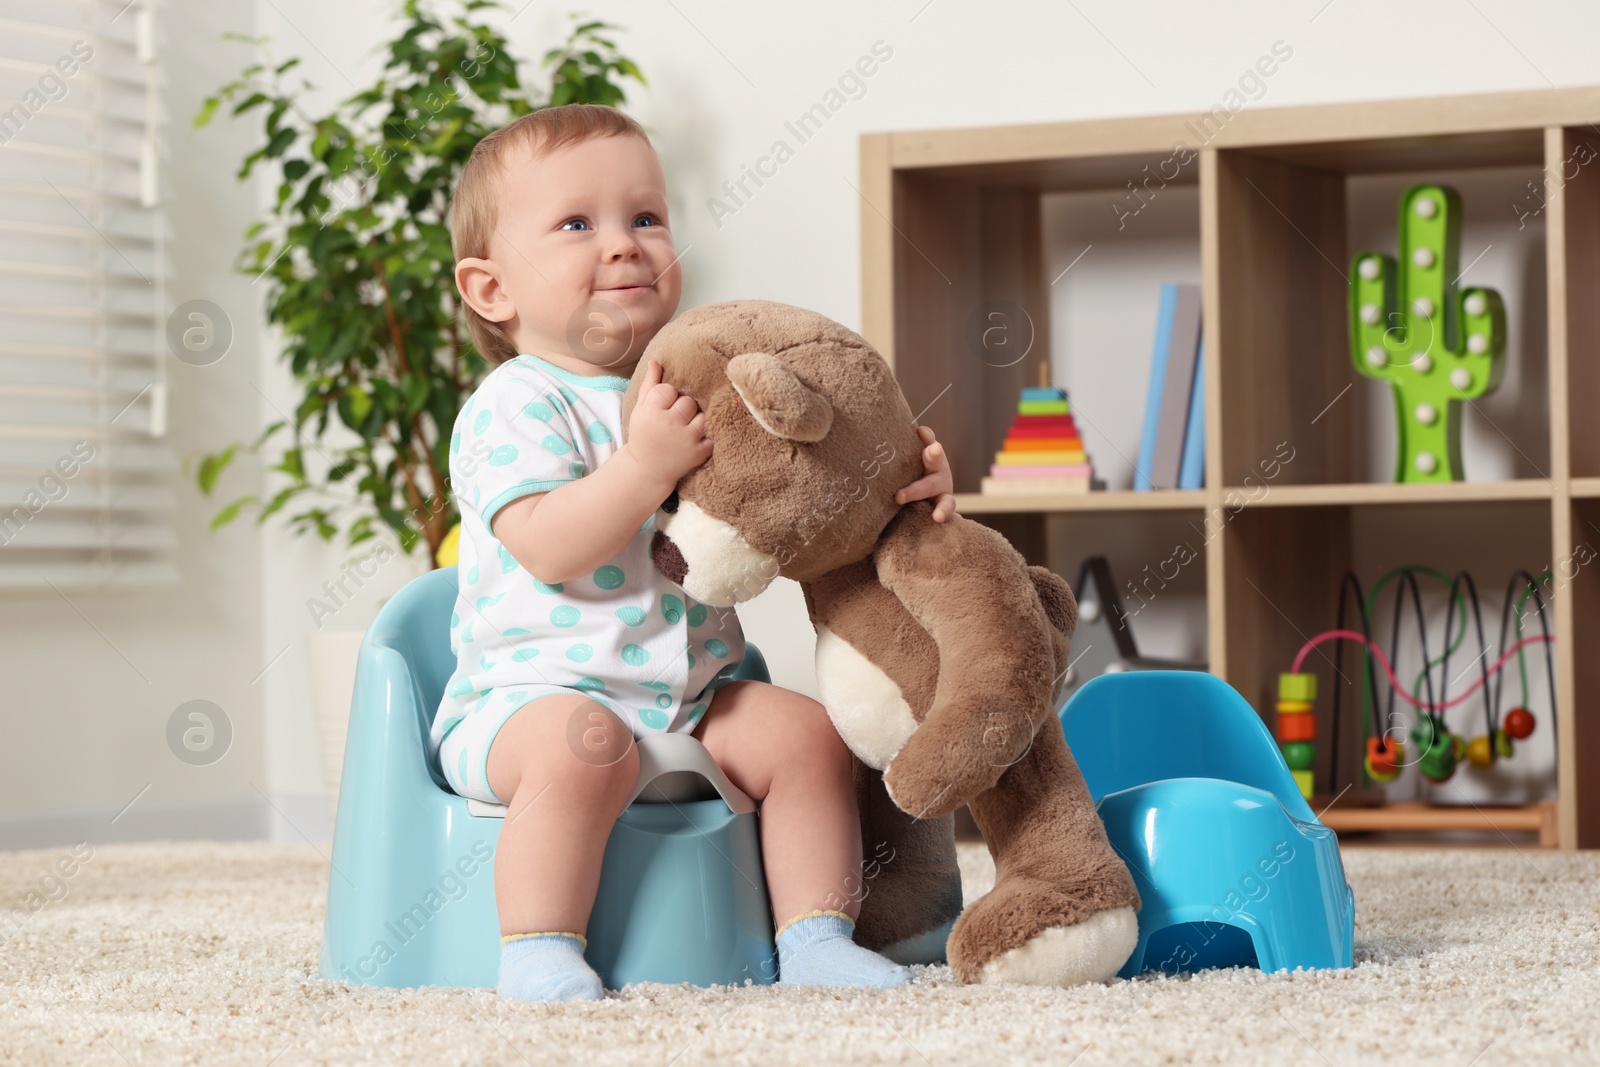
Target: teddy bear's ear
(780, 402)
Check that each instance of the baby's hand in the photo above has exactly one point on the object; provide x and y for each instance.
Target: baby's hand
(936, 481)
(667, 431)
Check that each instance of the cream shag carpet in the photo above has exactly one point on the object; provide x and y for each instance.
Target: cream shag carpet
(200, 952)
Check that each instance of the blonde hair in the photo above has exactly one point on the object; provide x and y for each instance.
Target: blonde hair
(474, 207)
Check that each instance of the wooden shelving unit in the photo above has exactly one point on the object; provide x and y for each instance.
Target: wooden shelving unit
(1540, 818)
(1127, 500)
(1391, 493)
(950, 222)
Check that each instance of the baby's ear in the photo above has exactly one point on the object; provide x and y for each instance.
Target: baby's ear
(784, 405)
(479, 283)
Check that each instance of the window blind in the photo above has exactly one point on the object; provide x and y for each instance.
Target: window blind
(87, 475)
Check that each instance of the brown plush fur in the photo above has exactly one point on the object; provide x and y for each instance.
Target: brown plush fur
(941, 652)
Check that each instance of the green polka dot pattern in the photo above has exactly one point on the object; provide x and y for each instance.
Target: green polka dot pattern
(619, 631)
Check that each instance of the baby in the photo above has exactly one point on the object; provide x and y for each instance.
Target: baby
(569, 643)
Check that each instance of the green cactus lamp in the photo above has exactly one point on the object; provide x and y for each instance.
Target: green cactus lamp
(1435, 345)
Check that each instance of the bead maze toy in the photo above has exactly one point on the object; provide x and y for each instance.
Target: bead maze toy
(1439, 751)
(1042, 451)
(1436, 346)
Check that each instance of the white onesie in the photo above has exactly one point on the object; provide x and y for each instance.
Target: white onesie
(624, 634)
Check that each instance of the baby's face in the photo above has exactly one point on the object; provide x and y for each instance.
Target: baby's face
(585, 254)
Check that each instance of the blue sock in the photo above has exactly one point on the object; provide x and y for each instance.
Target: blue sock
(817, 949)
(547, 966)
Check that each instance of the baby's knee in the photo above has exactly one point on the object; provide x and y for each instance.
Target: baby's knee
(585, 751)
(809, 734)
(597, 754)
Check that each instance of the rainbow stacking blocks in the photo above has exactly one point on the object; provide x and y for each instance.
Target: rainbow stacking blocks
(1043, 452)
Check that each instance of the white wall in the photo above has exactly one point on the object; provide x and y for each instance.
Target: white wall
(725, 77)
(90, 681)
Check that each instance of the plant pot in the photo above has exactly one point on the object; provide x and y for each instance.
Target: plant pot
(333, 656)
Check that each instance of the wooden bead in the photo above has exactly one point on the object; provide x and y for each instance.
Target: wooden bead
(1379, 774)
(1298, 727)
(1520, 723)
(1297, 687)
(1299, 755)
(1383, 759)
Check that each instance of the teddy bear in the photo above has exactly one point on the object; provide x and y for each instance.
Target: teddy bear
(941, 653)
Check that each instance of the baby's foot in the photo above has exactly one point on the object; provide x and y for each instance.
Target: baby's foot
(547, 966)
(818, 950)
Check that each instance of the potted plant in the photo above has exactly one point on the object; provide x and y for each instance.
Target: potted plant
(354, 253)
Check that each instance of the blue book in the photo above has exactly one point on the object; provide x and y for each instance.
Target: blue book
(1158, 380)
(1192, 474)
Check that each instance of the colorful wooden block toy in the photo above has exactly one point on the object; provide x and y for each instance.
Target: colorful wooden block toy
(1042, 451)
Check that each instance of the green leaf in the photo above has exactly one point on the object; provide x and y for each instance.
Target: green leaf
(231, 512)
(293, 464)
(416, 392)
(212, 466)
(360, 530)
(280, 141)
(360, 404)
(254, 100)
(268, 432)
(282, 497)
(207, 109)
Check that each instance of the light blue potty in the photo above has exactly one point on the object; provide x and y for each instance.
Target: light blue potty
(1232, 866)
(411, 902)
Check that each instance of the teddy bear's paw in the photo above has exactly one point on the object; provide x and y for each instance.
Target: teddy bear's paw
(924, 795)
(1091, 951)
(931, 776)
(1051, 941)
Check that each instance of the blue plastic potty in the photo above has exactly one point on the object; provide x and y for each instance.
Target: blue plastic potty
(1232, 866)
(682, 895)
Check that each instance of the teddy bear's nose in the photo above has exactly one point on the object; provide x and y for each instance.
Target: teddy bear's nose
(668, 560)
(670, 505)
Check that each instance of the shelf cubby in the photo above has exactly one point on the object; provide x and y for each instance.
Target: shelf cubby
(1294, 217)
(1283, 569)
(960, 222)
